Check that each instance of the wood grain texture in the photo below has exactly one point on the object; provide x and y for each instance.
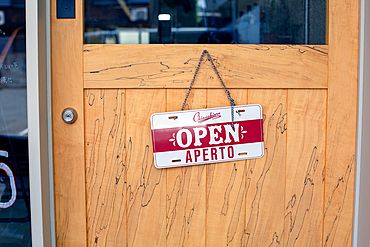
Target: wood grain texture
(68, 139)
(266, 176)
(146, 185)
(305, 167)
(341, 124)
(299, 194)
(105, 167)
(173, 66)
(226, 187)
(186, 186)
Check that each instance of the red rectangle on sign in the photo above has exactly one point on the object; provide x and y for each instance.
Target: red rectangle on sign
(202, 136)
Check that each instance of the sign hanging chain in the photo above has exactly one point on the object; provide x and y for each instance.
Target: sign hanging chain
(232, 103)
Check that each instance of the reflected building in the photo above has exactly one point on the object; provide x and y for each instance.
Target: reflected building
(205, 22)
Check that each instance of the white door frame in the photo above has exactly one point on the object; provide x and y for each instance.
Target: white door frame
(39, 122)
(361, 210)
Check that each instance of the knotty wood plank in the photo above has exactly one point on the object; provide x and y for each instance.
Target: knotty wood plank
(68, 139)
(225, 187)
(186, 186)
(173, 66)
(146, 185)
(341, 132)
(105, 167)
(266, 176)
(305, 167)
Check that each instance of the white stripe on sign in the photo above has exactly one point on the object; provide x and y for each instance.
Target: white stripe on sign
(209, 116)
(208, 155)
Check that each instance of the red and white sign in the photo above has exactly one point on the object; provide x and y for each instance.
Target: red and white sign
(206, 136)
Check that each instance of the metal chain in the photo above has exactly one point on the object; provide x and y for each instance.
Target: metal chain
(232, 103)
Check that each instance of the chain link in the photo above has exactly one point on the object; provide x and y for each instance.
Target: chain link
(232, 103)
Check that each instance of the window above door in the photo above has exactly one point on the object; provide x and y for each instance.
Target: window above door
(205, 22)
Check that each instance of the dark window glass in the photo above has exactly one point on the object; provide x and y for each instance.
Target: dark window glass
(205, 21)
(15, 227)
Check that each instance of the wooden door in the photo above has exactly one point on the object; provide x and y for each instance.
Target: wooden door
(107, 190)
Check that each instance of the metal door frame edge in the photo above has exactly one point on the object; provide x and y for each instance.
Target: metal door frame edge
(361, 212)
(39, 125)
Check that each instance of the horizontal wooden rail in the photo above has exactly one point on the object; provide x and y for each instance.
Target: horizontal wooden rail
(173, 66)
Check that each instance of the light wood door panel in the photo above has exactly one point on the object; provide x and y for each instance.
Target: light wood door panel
(146, 185)
(107, 190)
(305, 174)
(106, 184)
(226, 187)
(265, 188)
(186, 187)
(275, 199)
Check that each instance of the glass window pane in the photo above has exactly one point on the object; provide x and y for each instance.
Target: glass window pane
(205, 21)
(15, 228)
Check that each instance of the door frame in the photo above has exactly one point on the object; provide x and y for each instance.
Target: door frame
(67, 35)
(361, 213)
(38, 54)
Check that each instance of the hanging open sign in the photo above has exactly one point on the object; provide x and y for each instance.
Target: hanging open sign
(207, 136)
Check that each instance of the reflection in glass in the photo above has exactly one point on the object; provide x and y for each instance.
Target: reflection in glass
(205, 21)
(15, 228)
